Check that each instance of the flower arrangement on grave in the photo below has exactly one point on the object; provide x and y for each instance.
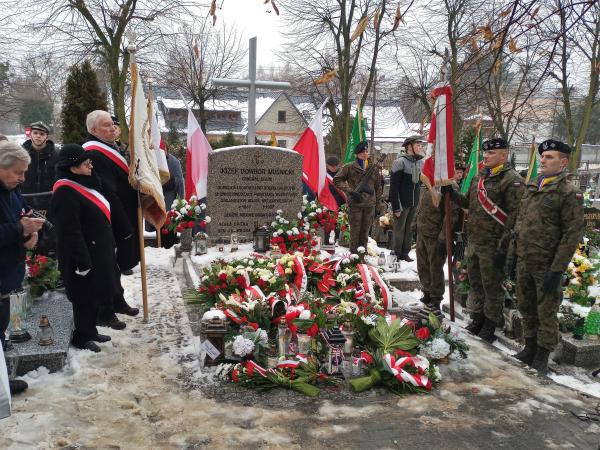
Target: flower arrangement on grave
(184, 214)
(568, 317)
(42, 274)
(290, 237)
(317, 216)
(343, 223)
(437, 342)
(582, 274)
(462, 285)
(393, 361)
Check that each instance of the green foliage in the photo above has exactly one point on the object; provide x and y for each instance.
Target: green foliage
(34, 110)
(228, 140)
(388, 338)
(82, 96)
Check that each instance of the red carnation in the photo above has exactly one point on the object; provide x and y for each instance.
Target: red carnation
(423, 333)
(313, 330)
(234, 375)
(223, 285)
(164, 231)
(367, 357)
(223, 276)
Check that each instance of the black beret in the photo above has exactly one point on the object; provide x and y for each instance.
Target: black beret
(412, 139)
(552, 144)
(41, 126)
(361, 147)
(494, 143)
(71, 155)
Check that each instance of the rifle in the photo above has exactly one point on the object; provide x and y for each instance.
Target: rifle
(362, 185)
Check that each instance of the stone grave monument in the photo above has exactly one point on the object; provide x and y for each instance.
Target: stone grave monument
(247, 185)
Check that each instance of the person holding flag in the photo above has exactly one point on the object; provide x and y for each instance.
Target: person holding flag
(549, 228)
(361, 205)
(492, 200)
(357, 135)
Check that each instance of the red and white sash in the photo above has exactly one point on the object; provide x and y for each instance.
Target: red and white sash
(109, 152)
(489, 206)
(91, 194)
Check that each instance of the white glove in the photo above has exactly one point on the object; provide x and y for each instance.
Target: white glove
(82, 273)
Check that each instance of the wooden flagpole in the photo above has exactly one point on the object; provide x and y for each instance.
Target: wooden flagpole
(158, 241)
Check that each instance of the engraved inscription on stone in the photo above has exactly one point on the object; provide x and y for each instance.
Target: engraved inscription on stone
(248, 184)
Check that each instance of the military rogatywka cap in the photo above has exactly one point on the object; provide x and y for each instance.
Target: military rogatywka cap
(40, 126)
(552, 144)
(361, 147)
(494, 143)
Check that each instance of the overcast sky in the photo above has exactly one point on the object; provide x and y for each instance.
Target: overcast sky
(252, 18)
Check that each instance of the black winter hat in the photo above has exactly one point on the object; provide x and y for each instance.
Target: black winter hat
(71, 155)
(552, 144)
(495, 143)
(333, 161)
(361, 147)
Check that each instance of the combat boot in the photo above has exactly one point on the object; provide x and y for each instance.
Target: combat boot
(487, 331)
(540, 362)
(528, 353)
(434, 303)
(426, 298)
(475, 326)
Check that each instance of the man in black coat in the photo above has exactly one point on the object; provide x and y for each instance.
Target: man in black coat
(39, 180)
(112, 168)
(18, 233)
(85, 221)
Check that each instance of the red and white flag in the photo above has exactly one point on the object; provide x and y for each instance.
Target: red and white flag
(157, 143)
(196, 167)
(438, 169)
(314, 170)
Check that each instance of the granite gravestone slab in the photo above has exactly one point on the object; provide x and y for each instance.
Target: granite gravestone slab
(248, 184)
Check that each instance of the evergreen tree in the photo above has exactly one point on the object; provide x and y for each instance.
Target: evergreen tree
(34, 110)
(83, 95)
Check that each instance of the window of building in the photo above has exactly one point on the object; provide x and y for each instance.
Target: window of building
(281, 117)
(282, 142)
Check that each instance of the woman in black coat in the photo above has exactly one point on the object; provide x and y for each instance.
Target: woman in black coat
(85, 242)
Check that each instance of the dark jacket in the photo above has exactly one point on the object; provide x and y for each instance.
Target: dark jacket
(337, 194)
(115, 181)
(40, 175)
(12, 250)
(405, 182)
(85, 239)
(348, 178)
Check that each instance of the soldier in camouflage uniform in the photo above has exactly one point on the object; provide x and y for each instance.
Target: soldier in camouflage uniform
(361, 206)
(431, 246)
(549, 228)
(492, 201)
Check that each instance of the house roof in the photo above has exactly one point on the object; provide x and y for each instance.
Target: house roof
(283, 94)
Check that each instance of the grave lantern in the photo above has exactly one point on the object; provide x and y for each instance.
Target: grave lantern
(200, 244)
(213, 328)
(334, 341)
(261, 240)
(18, 330)
(234, 241)
(45, 335)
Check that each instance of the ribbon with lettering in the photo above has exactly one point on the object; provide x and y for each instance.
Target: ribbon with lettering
(109, 152)
(300, 280)
(91, 194)
(489, 206)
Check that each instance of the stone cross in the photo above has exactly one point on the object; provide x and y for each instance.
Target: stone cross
(251, 83)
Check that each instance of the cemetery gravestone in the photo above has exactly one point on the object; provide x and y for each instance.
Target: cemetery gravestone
(591, 218)
(248, 184)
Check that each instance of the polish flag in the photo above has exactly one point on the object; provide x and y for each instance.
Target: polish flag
(198, 148)
(438, 169)
(314, 170)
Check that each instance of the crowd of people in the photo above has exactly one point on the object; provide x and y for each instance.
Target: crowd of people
(540, 221)
(84, 191)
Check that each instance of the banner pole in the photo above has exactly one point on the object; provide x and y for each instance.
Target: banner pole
(142, 249)
(448, 212)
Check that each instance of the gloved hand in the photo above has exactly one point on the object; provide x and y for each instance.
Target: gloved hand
(355, 196)
(447, 189)
(552, 281)
(499, 259)
(368, 190)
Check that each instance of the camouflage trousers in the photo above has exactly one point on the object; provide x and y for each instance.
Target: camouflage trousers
(539, 309)
(430, 265)
(360, 220)
(486, 294)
